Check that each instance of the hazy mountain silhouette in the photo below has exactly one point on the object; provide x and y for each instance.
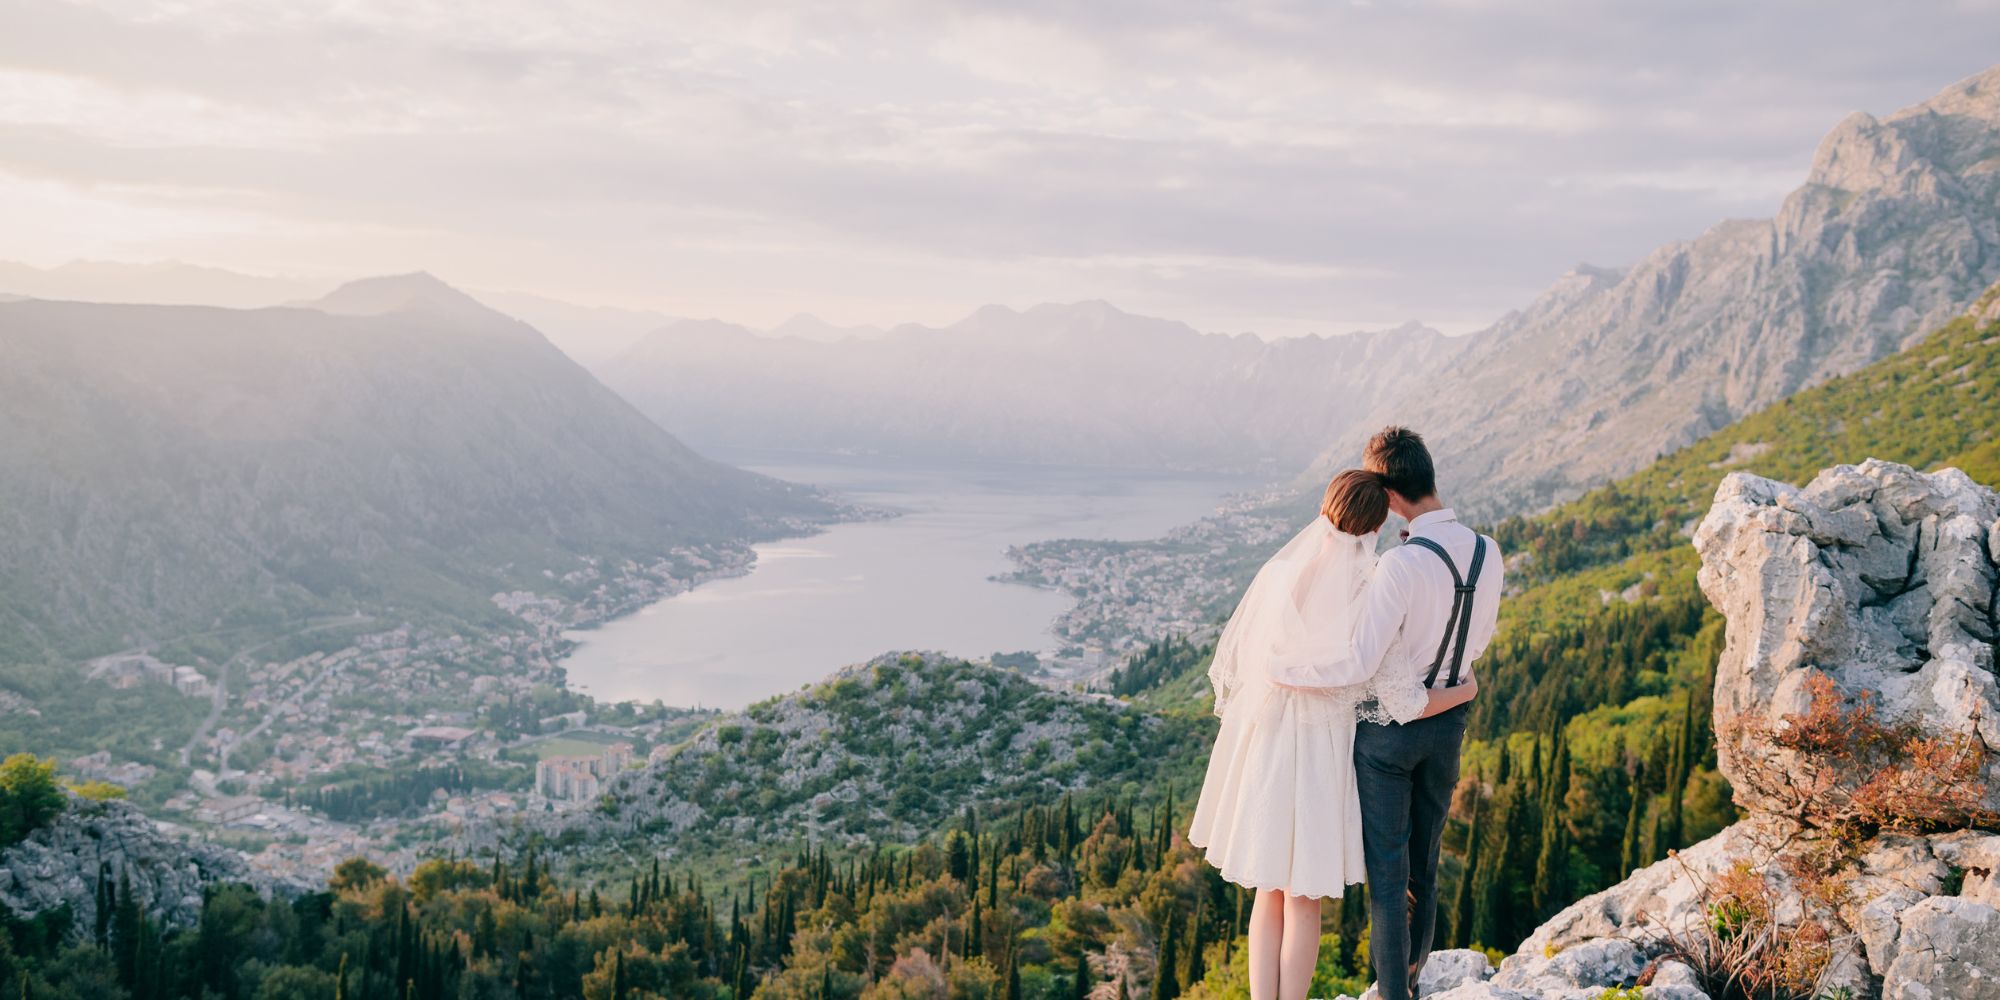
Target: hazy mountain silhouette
(1082, 383)
(399, 446)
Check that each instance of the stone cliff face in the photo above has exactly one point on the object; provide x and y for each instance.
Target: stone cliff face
(1859, 662)
(57, 866)
(1876, 577)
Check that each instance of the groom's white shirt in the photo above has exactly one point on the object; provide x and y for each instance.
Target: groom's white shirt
(1404, 607)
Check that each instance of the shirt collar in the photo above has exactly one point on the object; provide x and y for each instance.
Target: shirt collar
(1429, 518)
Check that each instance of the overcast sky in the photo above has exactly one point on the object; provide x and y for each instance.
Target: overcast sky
(1276, 167)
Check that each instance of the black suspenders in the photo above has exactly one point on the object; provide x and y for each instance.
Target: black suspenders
(1460, 621)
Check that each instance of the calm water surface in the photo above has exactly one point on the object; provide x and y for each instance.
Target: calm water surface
(918, 581)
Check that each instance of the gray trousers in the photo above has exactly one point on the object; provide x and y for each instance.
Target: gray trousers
(1405, 775)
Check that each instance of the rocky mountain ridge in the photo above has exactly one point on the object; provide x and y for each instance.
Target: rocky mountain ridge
(1896, 229)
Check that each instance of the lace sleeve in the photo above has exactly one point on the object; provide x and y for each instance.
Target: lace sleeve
(1400, 694)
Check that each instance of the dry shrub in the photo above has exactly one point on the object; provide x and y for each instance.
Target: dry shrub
(1743, 951)
(1845, 768)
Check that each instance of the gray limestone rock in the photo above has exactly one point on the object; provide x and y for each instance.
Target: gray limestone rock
(1877, 576)
(58, 865)
(1447, 970)
(1950, 951)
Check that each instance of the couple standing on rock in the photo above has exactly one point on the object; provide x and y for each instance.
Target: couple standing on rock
(1343, 680)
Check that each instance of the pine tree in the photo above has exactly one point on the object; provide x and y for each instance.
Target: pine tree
(340, 979)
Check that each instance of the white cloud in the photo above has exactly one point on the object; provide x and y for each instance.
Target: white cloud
(1288, 166)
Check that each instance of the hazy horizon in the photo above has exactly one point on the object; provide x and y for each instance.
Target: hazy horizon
(1273, 169)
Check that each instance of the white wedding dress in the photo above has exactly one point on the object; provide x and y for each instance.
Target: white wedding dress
(1278, 808)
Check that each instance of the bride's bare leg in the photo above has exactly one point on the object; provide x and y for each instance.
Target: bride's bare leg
(1267, 930)
(1299, 953)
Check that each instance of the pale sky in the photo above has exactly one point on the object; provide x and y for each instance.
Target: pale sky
(1276, 167)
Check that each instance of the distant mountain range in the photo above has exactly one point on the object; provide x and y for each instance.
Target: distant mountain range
(397, 445)
(1896, 230)
(159, 283)
(1083, 383)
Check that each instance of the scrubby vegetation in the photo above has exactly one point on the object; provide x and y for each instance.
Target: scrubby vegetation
(1044, 903)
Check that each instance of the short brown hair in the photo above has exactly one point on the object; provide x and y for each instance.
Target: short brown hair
(1356, 502)
(1398, 455)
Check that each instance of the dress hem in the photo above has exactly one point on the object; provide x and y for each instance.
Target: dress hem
(1249, 883)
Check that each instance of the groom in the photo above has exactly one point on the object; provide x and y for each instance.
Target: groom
(1435, 599)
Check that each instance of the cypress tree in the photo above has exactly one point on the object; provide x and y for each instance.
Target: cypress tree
(1165, 985)
(1462, 903)
(1197, 940)
(102, 932)
(1628, 857)
(1079, 984)
(125, 923)
(1551, 888)
(1489, 887)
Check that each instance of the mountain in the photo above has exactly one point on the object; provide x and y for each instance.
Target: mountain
(172, 469)
(165, 282)
(590, 335)
(1896, 230)
(806, 326)
(1083, 383)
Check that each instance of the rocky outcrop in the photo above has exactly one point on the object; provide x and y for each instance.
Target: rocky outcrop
(1877, 577)
(57, 866)
(1860, 608)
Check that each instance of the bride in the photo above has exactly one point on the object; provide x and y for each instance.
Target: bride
(1278, 811)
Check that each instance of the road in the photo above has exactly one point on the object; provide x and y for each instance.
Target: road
(221, 697)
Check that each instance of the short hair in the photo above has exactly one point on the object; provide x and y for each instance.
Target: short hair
(1356, 502)
(1398, 455)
